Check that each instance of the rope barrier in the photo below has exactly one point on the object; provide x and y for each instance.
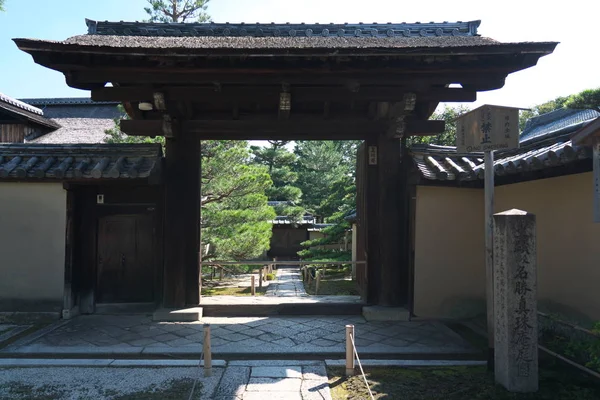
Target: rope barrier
(360, 366)
(203, 361)
(198, 378)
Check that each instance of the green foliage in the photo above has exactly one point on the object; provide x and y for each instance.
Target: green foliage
(326, 171)
(235, 213)
(577, 344)
(588, 99)
(2, 5)
(116, 136)
(331, 235)
(279, 163)
(448, 137)
(326, 174)
(270, 277)
(177, 10)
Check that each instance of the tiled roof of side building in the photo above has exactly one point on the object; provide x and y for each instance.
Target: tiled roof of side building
(20, 104)
(81, 119)
(21, 110)
(59, 101)
(31, 161)
(551, 146)
(564, 119)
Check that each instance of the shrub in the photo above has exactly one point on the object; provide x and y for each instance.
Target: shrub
(270, 277)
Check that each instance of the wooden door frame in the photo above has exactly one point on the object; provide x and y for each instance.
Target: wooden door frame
(85, 238)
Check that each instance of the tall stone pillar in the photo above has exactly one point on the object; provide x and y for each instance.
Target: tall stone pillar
(182, 222)
(515, 301)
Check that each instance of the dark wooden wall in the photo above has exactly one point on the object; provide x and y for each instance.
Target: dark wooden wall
(14, 133)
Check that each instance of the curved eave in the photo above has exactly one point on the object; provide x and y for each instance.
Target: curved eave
(540, 49)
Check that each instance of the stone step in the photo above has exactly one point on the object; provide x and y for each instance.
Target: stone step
(291, 308)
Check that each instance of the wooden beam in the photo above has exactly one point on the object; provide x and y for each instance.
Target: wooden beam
(424, 127)
(470, 80)
(402, 127)
(347, 129)
(272, 93)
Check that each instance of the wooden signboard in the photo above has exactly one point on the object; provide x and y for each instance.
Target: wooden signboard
(488, 128)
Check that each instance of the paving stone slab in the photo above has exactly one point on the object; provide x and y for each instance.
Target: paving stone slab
(272, 396)
(314, 372)
(315, 390)
(274, 385)
(276, 372)
(233, 382)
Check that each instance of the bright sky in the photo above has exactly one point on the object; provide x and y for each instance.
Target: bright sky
(574, 65)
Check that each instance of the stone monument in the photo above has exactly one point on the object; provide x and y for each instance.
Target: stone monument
(515, 301)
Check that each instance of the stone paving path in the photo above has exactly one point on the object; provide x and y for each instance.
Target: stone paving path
(232, 337)
(274, 380)
(288, 283)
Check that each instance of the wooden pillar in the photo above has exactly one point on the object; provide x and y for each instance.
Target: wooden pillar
(182, 222)
(68, 294)
(387, 223)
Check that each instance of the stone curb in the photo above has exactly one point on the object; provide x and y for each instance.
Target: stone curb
(32, 362)
(408, 363)
(32, 337)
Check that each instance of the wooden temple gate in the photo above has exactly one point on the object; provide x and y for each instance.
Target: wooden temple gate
(375, 83)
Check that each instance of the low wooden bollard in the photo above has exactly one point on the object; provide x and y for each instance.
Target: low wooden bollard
(318, 282)
(265, 269)
(349, 350)
(252, 289)
(260, 279)
(221, 274)
(207, 351)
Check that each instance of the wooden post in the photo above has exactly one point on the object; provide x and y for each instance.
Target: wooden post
(596, 161)
(182, 222)
(349, 350)
(221, 273)
(265, 273)
(489, 252)
(388, 272)
(200, 274)
(318, 282)
(207, 351)
(252, 289)
(260, 283)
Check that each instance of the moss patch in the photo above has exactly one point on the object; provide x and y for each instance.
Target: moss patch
(232, 291)
(458, 383)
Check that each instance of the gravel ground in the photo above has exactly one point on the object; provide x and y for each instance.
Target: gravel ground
(105, 383)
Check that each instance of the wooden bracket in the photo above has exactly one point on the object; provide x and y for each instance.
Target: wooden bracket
(159, 101)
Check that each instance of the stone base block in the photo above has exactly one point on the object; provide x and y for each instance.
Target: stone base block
(380, 313)
(178, 315)
(68, 314)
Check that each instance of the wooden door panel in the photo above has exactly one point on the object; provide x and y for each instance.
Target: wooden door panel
(125, 259)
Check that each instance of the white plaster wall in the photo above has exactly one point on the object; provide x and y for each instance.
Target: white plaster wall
(32, 244)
